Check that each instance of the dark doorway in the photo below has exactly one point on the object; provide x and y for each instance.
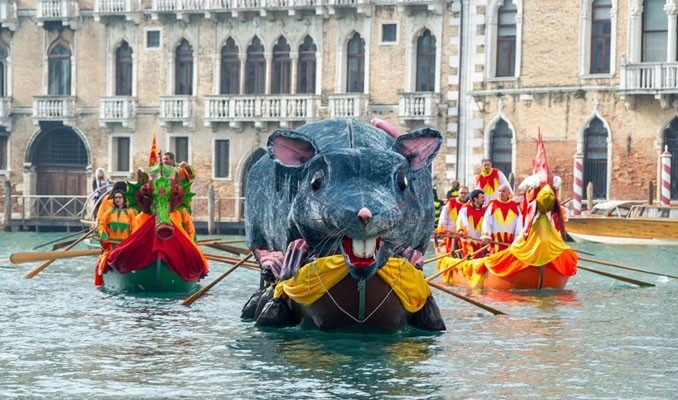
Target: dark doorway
(60, 159)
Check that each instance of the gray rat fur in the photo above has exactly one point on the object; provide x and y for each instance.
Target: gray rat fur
(316, 179)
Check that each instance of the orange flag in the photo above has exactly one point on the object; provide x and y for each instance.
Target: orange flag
(153, 157)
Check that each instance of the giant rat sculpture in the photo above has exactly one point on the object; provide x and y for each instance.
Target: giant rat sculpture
(341, 187)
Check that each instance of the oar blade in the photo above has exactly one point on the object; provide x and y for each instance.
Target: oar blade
(61, 245)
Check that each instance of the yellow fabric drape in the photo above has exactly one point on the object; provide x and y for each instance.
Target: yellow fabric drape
(543, 246)
(315, 279)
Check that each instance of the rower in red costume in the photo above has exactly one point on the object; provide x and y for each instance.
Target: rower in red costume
(489, 179)
(470, 223)
(502, 222)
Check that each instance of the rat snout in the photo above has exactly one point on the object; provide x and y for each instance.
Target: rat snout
(365, 215)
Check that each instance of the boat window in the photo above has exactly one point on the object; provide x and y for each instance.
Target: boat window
(622, 212)
(652, 212)
(599, 211)
(636, 212)
(673, 213)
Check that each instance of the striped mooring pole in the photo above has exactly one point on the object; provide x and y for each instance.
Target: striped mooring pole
(666, 177)
(578, 187)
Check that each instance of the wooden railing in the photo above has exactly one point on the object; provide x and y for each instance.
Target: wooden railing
(224, 209)
(47, 207)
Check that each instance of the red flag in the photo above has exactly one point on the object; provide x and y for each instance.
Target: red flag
(153, 157)
(540, 165)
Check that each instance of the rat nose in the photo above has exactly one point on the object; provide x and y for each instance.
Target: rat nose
(365, 215)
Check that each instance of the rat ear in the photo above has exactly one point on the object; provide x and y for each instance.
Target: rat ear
(291, 148)
(419, 147)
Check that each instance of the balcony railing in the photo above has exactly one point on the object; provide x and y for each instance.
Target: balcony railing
(361, 6)
(8, 14)
(177, 109)
(258, 109)
(419, 106)
(117, 109)
(434, 6)
(5, 111)
(649, 78)
(234, 7)
(64, 11)
(54, 108)
(353, 105)
(111, 8)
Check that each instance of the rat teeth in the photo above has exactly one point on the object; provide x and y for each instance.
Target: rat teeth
(364, 248)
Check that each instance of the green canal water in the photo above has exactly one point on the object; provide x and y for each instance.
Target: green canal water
(598, 339)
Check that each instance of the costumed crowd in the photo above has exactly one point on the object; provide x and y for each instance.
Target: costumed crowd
(488, 218)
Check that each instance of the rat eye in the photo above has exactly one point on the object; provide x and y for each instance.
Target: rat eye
(402, 180)
(317, 180)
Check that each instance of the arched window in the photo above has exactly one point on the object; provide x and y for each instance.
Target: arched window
(426, 62)
(601, 29)
(4, 53)
(671, 144)
(506, 40)
(282, 67)
(59, 69)
(595, 159)
(230, 68)
(184, 68)
(355, 71)
(123, 70)
(501, 148)
(255, 68)
(306, 66)
(655, 31)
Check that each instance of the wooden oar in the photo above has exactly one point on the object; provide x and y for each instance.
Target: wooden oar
(57, 240)
(62, 245)
(220, 241)
(466, 299)
(230, 260)
(625, 267)
(248, 265)
(618, 277)
(441, 256)
(469, 257)
(230, 249)
(22, 258)
(44, 265)
(195, 296)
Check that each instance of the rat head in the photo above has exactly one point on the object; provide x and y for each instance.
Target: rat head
(362, 202)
